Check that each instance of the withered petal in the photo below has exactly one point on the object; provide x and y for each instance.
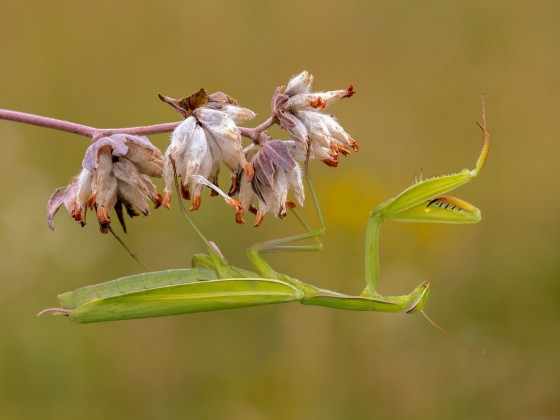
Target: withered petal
(55, 201)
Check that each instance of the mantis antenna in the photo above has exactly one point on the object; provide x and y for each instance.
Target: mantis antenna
(462, 343)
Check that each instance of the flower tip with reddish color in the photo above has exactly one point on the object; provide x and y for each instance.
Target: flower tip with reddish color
(290, 204)
(235, 204)
(250, 172)
(166, 200)
(195, 203)
(318, 103)
(354, 144)
(239, 216)
(234, 187)
(333, 163)
(258, 220)
(103, 216)
(338, 148)
(91, 201)
(158, 200)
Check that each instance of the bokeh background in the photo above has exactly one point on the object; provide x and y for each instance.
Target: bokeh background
(419, 71)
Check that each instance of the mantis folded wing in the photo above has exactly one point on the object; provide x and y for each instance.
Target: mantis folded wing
(213, 284)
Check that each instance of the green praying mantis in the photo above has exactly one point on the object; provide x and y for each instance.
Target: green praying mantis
(213, 284)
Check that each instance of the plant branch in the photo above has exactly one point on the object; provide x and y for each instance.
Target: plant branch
(22, 117)
(138, 131)
(83, 130)
(255, 133)
(96, 133)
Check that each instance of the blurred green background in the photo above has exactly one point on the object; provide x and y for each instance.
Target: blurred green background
(419, 71)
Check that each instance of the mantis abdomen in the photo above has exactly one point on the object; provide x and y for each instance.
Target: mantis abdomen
(171, 292)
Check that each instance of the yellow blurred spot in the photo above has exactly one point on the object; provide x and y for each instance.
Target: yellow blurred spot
(350, 197)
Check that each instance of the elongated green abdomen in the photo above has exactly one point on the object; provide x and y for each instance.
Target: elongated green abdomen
(185, 298)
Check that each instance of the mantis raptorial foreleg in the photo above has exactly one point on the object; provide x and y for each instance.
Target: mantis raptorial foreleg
(423, 202)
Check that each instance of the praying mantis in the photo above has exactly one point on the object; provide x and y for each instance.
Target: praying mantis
(213, 284)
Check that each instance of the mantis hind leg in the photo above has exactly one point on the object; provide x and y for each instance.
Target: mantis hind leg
(254, 253)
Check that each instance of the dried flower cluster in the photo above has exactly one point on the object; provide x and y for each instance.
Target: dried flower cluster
(116, 172)
(299, 113)
(117, 169)
(208, 137)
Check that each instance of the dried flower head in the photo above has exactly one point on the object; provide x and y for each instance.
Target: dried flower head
(275, 173)
(116, 172)
(299, 113)
(206, 138)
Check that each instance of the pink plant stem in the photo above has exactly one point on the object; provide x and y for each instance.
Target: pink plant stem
(255, 133)
(96, 133)
(22, 117)
(138, 131)
(81, 129)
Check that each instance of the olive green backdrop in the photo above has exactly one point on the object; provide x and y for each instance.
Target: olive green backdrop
(419, 71)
